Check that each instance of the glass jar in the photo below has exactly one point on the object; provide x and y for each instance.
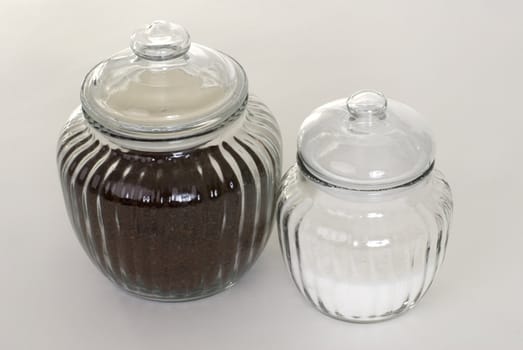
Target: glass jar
(169, 168)
(363, 216)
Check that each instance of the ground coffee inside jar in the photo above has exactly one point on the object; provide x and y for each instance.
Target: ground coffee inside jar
(164, 224)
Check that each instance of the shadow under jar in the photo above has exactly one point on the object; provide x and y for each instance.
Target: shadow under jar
(364, 216)
(169, 168)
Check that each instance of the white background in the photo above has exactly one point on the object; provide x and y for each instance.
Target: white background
(457, 62)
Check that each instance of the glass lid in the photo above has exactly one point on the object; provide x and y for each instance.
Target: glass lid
(163, 86)
(365, 142)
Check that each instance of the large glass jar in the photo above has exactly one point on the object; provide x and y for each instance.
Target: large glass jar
(363, 217)
(169, 168)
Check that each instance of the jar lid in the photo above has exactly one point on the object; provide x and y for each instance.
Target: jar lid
(365, 142)
(163, 86)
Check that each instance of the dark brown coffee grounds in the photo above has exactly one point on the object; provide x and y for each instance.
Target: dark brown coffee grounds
(169, 226)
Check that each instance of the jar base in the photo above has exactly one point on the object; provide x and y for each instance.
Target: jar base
(171, 299)
(372, 319)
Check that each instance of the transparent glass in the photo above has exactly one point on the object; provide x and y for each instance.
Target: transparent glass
(163, 86)
(363, 256)
(366, 142)
(176, 219)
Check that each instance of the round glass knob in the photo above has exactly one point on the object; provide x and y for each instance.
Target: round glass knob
(160, 40)
(367, 103)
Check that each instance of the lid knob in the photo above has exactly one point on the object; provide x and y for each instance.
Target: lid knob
(367, 103)
(160, 40)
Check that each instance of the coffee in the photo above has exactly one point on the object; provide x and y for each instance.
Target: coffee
(169, 225)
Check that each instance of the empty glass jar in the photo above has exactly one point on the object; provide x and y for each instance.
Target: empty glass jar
(169, 168)
(363, 216)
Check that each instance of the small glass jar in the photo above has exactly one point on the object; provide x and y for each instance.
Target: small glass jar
(363, 216)
(169, 168)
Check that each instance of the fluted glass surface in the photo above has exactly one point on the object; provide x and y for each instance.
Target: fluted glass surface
(173, 220)
(363, 256)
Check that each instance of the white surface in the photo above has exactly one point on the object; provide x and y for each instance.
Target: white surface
(458, 62)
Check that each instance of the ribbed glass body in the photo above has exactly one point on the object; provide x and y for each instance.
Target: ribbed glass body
(363, 256)
(173, 220)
